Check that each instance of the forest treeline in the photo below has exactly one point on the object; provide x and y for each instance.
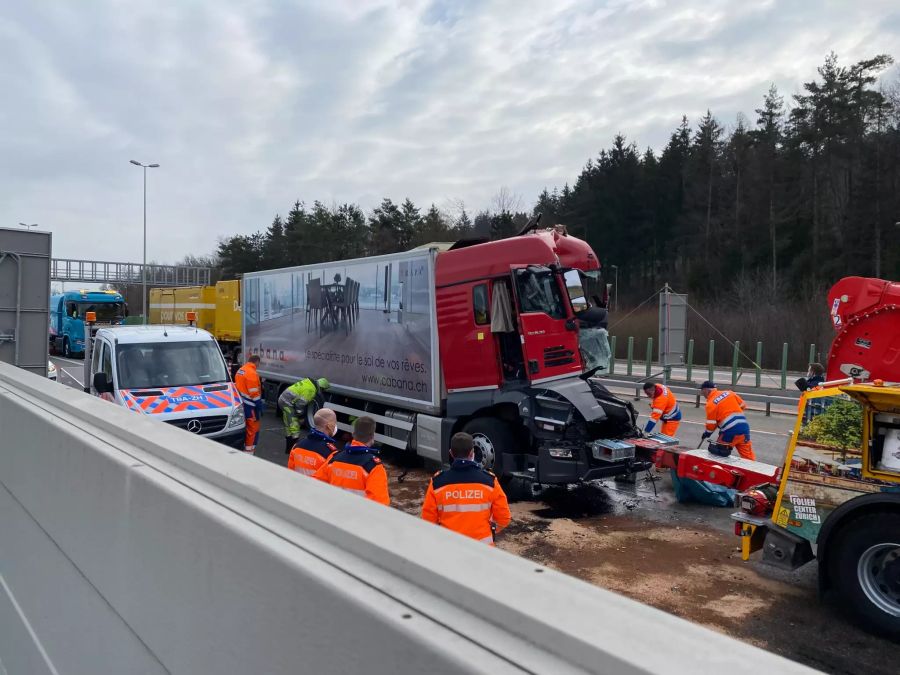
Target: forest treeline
(785, 200)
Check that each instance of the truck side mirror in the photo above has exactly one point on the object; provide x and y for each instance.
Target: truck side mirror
(101, 384)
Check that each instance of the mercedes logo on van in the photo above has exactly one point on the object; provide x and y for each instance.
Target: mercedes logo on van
(194, 426)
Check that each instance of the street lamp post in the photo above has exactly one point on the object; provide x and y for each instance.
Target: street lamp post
(144, 265)
(27, 226)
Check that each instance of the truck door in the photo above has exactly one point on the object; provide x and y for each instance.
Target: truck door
(549, 338)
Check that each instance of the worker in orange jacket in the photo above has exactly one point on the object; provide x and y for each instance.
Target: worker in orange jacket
(466, 498)
(725, 411)
(663, 407)
(312, 452)
(357, 468)
(250, 388)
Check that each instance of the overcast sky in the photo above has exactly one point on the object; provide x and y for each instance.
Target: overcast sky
(250, 105)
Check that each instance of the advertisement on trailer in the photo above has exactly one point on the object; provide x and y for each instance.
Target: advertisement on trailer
(366, 325)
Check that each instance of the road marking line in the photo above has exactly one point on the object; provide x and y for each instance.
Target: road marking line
(72, 376)
(64, 360)
(752, 431)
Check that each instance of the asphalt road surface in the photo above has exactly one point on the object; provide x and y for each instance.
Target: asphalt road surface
(637, 540)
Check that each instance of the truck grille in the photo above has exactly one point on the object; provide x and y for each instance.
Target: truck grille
(558, 356)
(208, 425)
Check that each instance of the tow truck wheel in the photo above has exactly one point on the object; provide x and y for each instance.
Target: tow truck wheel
(865, 566)
(492, 437)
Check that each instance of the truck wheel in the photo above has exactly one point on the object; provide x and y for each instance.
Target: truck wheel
(864, 562)
(67, 350)
(492, 438)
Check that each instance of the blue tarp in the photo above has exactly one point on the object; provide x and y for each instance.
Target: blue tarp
(688, 490)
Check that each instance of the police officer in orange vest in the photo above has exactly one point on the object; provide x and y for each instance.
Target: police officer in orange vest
(466, 498)
(357, 468)
(319, 445)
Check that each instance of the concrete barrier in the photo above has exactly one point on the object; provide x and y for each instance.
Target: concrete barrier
(127, 545)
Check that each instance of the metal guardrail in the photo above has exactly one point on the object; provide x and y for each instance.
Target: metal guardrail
(782, 398)
(97, 271)
(172, 554)
(736, 372)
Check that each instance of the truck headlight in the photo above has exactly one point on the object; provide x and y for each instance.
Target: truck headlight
(560, 453)
(237, 417)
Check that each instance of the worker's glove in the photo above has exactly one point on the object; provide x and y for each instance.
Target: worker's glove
(706, 434)
(649, 427)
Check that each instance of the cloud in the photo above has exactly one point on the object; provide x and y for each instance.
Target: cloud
(248, 106)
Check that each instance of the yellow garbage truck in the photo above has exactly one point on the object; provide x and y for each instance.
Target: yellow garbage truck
(217, 309)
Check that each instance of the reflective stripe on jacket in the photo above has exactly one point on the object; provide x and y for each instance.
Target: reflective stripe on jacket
(311, 453)
(724, 409)
(357, 469)
(466, 499)
(248, 384)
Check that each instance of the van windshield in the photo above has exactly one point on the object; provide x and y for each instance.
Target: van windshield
(169, 364)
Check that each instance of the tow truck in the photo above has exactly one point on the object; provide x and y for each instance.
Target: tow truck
(836, 498)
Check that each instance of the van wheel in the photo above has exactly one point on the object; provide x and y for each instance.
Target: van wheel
(492, 438)
(864, 563)
(67, 350)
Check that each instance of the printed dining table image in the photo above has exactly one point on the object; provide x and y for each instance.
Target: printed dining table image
(365, 323)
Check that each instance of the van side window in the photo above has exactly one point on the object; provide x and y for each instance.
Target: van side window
(106, 362)
(97, 357)
(480, 305)
(72, 309)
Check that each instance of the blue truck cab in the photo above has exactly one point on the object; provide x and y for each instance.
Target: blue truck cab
(67, 312)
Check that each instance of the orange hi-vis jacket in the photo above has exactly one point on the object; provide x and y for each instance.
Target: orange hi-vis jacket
(357, 469)
(248, 385)
(466, 499)
(311, 452)
(725, 410)
(664, 406)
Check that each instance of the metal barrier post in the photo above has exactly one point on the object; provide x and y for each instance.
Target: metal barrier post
(758, 364)
(667, 374)
(630, 354)
(649, 355)
(784, 355)
(712, 359)
(734, 362)
(812, 353)
(612, 355)
(690, 360)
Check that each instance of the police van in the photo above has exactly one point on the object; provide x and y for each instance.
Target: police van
(174, 374)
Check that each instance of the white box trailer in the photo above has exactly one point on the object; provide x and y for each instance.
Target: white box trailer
(367, 325)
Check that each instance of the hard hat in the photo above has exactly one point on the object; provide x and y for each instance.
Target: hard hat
(323, 384)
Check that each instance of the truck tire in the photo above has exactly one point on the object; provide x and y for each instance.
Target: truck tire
(492, 438)
(864, 564)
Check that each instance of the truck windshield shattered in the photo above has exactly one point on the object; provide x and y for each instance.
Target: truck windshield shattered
(160, 365)
(593, 338)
